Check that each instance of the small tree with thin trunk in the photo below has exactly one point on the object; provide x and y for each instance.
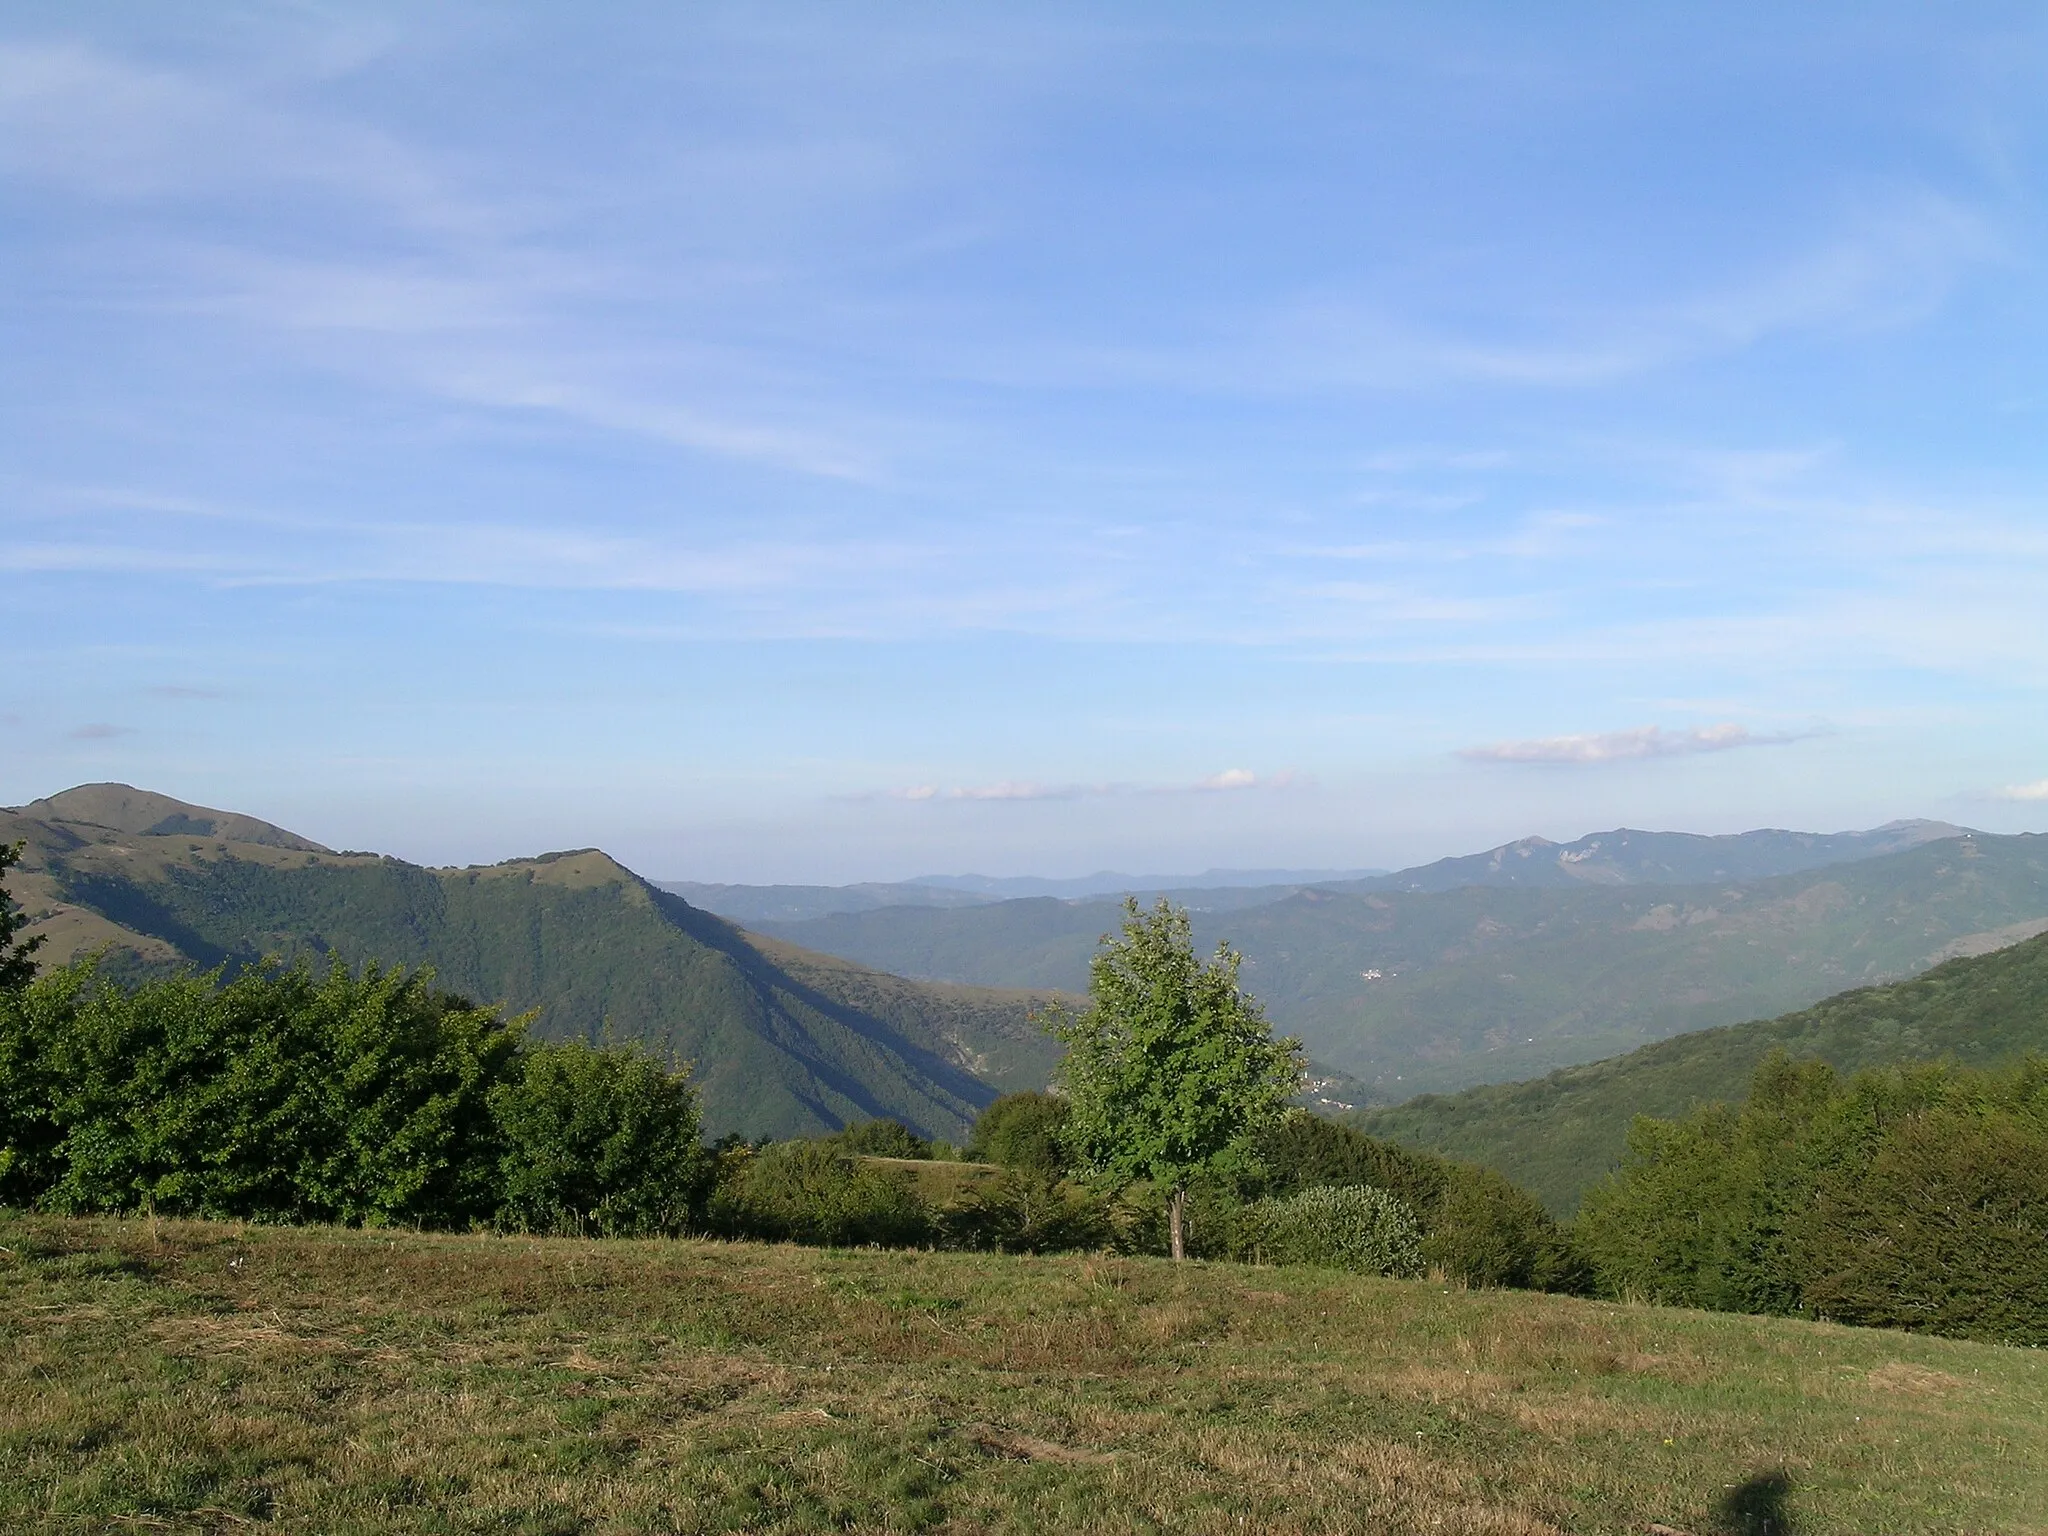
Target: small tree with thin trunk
(1172, 1069)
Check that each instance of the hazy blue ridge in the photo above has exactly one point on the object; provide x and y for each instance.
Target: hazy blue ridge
(1441, 990)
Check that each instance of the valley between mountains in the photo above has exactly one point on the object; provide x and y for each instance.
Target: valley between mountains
(1536, 995)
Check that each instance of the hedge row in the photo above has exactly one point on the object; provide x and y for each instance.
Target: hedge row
(282, 1096)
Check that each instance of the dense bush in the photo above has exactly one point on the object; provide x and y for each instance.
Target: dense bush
(813, 1192)
(280, 1096)
(1030, 1212)
(601, 1141)
(1023, 1131)
(882, 1138)
(1909, 1198)
(1365, 1230)
(1477, 1227)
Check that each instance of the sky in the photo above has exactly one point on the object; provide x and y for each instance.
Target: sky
(787, 443)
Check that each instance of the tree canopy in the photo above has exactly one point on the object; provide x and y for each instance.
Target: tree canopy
(1171, 1070)
(17, 957)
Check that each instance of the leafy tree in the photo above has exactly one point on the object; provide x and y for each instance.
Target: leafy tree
(600, 1140)
(1024, 1131)
(17, 956)
(1172, 1070)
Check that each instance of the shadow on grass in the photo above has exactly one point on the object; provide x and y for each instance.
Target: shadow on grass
(1756, 1507)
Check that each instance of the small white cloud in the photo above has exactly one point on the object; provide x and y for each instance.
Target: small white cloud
(917, 792)
(1230, 778)
(2038, 790)
(1622, 746)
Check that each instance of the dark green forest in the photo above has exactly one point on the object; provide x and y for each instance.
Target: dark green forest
(1902, 1197)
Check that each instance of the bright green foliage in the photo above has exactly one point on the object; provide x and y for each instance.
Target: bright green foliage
(367, 1099)
(1172, 1070)
(275, 1096)
(1024, 1131)
(811, 1192)
(17, 956)
(882, 1138)
(1910, 1198)
(1364, 1230)
(602, 1141)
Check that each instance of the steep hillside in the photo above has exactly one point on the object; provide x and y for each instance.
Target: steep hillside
(784, 1042)
(1440, 990)
(1559, 1133)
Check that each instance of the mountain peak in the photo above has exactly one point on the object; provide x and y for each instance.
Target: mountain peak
(145, 813)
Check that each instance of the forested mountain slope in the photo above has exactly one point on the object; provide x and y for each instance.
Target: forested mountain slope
(1559, 1133)
(1435, 990)
(785, 1042)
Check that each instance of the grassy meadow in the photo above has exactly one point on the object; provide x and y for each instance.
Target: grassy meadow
(184, 1376)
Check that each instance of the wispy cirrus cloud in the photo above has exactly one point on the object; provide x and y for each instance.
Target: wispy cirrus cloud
(99, 730)
(1632, 745)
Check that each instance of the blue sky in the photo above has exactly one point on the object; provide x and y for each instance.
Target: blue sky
(856, 441)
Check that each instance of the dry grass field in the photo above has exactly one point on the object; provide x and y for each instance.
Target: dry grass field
(196, 1377)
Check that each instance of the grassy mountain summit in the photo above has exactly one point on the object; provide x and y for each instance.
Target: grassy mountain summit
(785, 1042)
(1559, 1133)
(124, 808)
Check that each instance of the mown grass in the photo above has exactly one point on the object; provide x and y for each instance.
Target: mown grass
(190, 1376)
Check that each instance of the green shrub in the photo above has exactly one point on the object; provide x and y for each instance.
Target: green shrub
(1028, 1212)
(812, 1192)
(1023, 1131)
(1355, 1227)
(1945, 1229)
(274, 1096)
(1477, 1227)
(883, 1138)
(602, 1141)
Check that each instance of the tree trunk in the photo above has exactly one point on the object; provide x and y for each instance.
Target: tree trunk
(1176, 1222)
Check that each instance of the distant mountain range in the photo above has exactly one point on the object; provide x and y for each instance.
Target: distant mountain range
(1557, 1134)
(786, 1042)
(1505, 965)
(1629, 857)
(1430, 990)
(1621, 857)
(798, 903)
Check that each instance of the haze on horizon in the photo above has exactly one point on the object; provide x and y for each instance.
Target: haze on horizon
(840, 443)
